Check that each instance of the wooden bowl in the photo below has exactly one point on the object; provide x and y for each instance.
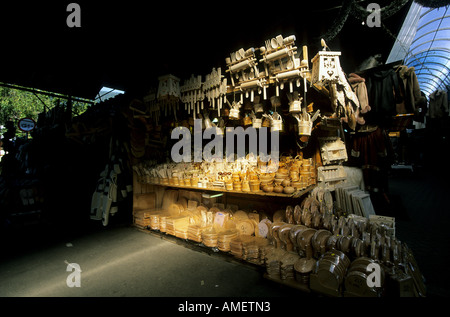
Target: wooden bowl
(278, 189)
(289, 190)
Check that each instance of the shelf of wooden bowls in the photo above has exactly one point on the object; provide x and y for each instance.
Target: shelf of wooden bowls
(295, 194)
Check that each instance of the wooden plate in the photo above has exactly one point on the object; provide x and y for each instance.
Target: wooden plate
(356, 282)
(328, 278)
(289, 214)
(343, 257)
(240, 215)
(297, 214)
(304, 241)
(245, 227)
(295, 230)
(279, 216)
(304, 265)
(263, 227)
(318, 241)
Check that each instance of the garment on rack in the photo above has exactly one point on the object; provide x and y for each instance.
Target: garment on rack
(421, 109)
(371, 152)
(359, 86)
(383, 88)
(438, 105)
(410, 90)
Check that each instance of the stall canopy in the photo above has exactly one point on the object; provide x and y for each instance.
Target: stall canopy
(424, 43)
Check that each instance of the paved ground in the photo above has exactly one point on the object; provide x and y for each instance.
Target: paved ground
(124, 261)
(420, 202)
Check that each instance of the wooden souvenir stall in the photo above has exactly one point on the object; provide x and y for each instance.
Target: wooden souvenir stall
(295, 213)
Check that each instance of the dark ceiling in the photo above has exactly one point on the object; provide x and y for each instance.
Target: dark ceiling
(127, 44)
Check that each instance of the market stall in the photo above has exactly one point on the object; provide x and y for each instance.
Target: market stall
(299, 203)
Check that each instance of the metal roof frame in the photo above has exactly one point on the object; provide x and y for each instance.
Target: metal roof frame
(425, 43)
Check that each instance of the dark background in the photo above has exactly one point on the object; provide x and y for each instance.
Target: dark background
(128, 44)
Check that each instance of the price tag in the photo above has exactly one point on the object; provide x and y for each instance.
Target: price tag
(219, 219)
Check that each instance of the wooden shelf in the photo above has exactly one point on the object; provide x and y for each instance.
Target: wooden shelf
(296, 194)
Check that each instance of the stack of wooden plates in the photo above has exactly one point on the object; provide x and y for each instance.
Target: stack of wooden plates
(142, 219)
(170, 229)
(195, 233)
(224, 239)
(236, 245)
(163, 223)
(180, 225)
(265, 250)
(273, 264)
(287, 265)
(181, 233)
(253, 252)
(210, 237)
(195, 217)
(181, 222)
(250, 251)
(154, 219)
(331, 269)
(303, 268)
